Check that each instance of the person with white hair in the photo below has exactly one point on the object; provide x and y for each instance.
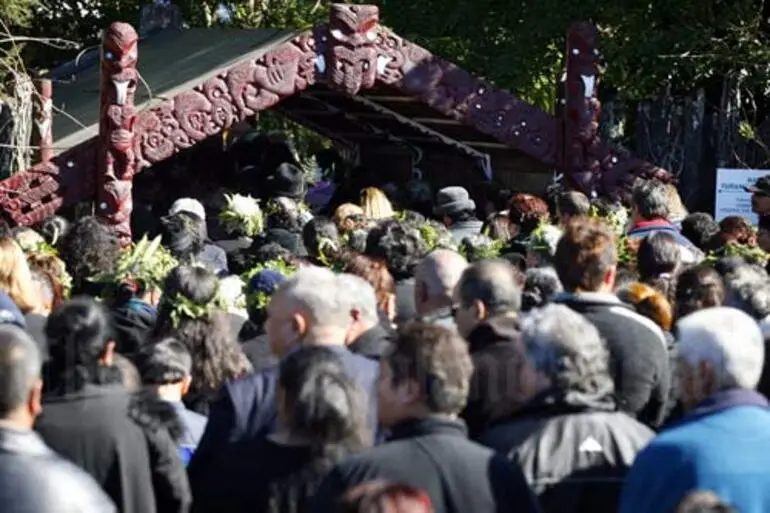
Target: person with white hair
(436, 277)
(571, 441)
(723, 442)
(366, 336)
(309, 309)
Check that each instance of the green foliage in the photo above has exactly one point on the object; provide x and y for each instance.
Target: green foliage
(480, 247)
(146, 263)
(184, 308)
(17, 13)
(616, 218)
(242, 214)
(749, 253)
(645, 44)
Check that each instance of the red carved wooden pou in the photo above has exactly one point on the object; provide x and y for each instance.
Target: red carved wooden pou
(582, 144)
(116, 160)
(43, 133)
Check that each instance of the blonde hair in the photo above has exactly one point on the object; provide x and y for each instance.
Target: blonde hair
(676, 209)
(16, 278)
(376, 204)
(343, 215)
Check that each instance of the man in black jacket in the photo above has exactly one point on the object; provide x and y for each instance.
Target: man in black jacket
(574, 447)
(32, 476)
(487, 304)
(586, 260)
(423, 385)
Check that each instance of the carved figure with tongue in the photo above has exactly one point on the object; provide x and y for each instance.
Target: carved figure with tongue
(117, 163)
(581, 122)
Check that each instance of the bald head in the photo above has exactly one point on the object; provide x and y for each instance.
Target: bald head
(436, 277)
(494, 283)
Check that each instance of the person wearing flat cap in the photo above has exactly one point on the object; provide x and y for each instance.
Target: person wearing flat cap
(457, 210)
(760, 205)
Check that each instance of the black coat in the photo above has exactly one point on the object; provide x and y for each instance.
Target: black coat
(575, 450)
(104, 430)
(434, 455)
(639, 356)
(246, 410)
(34, 479)
(497, 355)
(372, 343)
(256, 472)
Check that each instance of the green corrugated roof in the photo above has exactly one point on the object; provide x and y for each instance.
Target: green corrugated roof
(170, 62)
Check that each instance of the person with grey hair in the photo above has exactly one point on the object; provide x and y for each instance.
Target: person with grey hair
(366, 336)
(747, 288)
(651, 215)
(487, 301)
(311, 308)
(424, 382)
(573, 445)
(435, 279)
(32, 476)
(722, 443)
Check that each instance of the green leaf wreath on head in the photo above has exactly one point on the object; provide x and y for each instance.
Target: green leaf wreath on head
(479, 247)
(436, 235)
(544, 238)
(242, 213)
(146, 263)
(751, 254)
(182, 307)
(258, 299)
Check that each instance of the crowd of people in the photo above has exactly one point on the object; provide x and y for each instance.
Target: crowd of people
(310, 350)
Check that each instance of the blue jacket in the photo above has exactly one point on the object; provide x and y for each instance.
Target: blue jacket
(723, 446)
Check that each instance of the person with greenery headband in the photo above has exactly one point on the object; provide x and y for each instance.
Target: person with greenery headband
(132, 291)
(189, 311)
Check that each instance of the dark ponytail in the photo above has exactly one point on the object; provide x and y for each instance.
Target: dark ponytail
(324, 405)
(324, 408)
(77, 334)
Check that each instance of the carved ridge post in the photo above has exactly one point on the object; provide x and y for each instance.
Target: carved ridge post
(352, 54)
(116, 159)
(582, 143)
(43, 133)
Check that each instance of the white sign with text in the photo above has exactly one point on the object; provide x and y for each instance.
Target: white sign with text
(731, 197)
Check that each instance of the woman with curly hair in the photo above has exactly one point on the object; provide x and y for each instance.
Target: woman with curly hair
(90, 248)
(400, 247)
(53, 269)
(377, 275)
(16, 278)
(188, 313)
(525, 213)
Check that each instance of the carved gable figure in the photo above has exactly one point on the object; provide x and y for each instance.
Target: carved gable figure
(352, 53)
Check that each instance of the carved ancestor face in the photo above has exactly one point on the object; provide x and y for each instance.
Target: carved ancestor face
(583, 69)
(352, 59)
(119, 60)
